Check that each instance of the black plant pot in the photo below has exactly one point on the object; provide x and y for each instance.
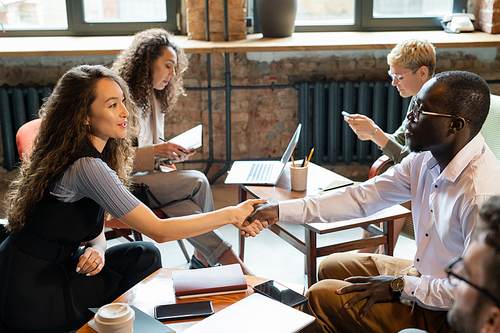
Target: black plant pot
(277, 17)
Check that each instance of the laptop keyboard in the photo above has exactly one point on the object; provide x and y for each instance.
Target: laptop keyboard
(260, 172)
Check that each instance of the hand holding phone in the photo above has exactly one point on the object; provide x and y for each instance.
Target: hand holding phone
(180, 311)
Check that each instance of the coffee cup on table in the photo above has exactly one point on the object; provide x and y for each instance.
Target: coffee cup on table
(115, 318)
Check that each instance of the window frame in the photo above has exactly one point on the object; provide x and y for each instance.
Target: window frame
(78, 27)
(364, 21)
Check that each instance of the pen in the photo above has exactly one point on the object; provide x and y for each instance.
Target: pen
(303, 162)
(293, 162)
(310, 154)
(162, 139)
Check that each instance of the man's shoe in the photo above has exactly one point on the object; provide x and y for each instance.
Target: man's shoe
(195, 263)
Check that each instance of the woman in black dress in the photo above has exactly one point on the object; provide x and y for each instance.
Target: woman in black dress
(54, 265)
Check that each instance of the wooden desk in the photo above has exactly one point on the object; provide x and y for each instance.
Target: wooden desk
(158, 289)
(318, 177)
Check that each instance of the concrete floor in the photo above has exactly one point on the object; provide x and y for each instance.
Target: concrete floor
(267, 255)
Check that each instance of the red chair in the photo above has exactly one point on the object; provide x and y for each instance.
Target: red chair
(24, 139)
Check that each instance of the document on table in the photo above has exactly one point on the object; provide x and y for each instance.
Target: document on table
(255, 313)
(191, 139)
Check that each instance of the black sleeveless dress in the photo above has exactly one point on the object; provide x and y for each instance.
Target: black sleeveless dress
(39, 285)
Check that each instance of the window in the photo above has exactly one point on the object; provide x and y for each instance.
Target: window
(366, 15)
(86, 17)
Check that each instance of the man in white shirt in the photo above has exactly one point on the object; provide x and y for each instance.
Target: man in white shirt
(476, 277)
(449, 174)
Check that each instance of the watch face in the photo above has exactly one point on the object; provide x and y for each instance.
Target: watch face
(398, 284)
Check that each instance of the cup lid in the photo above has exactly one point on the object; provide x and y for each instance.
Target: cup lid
(114, 312)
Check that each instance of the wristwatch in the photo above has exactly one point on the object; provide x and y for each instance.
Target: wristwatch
(397, 285)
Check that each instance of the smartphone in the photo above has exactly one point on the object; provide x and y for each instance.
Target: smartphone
(180, 311)
(345, 114)
(280, 293)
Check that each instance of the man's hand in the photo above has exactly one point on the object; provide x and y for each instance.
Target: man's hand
(241, 213)
(376, 289)
(267, 212)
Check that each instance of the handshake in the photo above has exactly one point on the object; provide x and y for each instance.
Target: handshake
(262, 215)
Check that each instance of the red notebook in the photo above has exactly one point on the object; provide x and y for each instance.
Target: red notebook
(209, 281)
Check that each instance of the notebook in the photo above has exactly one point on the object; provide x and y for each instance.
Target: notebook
(191, 139)
(255, 313)
(209, 281)
(262, 172)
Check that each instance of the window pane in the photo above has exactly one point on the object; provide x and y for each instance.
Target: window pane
(411, 8)
(33, 14)
(325, 12)
(106, 11)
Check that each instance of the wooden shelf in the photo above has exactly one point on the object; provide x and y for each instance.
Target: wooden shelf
(80, 46)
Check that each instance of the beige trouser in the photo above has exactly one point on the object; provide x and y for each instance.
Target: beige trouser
(327, 306)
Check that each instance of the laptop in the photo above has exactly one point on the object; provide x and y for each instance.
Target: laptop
(262, 172)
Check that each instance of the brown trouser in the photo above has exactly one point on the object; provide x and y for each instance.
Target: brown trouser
(327, 306)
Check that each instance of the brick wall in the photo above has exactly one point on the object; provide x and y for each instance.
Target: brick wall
(263, 120)
(196, 20)
(488, 14)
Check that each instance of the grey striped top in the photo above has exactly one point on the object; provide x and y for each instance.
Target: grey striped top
(92, 178)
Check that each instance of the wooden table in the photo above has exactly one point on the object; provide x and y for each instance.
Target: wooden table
(157, 289)
(319, 177)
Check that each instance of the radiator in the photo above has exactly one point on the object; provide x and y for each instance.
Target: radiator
(17, 106)
(319, 110)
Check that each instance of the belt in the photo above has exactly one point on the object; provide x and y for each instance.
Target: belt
(41, 248)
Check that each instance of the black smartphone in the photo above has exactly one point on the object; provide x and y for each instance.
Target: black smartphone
(280, 293)
(184, 310)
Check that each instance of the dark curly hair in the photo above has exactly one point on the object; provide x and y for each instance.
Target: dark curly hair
(63, 134)
(135, 66)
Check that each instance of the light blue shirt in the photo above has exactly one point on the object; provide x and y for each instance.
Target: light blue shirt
(445, 208)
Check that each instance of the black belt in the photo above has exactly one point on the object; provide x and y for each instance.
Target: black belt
(41, 248)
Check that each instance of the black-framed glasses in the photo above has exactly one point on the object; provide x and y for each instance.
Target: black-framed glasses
(416, 111)
(455, 269)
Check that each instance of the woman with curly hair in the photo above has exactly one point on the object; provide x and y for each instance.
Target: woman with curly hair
(153, 66)
(81, 159)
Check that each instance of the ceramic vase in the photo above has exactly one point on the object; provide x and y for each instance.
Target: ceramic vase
(277, 17)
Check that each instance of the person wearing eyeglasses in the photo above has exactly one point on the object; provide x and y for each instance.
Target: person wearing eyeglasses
(412, 63)
(449, 174)
(476, 277)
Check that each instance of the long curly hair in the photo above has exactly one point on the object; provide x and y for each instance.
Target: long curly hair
(63, 134)
(135, 66)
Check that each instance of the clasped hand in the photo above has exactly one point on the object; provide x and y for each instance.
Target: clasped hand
(376, 289)
(242, 211)
(268, 212)
(90, 262)
(173, 152)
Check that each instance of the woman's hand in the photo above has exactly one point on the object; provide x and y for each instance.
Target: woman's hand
(91, 261)
(173, 152)
(362, 126)
(241, 213)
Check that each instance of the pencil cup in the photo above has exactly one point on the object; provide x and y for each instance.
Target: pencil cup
(115, 318)
(298, 177)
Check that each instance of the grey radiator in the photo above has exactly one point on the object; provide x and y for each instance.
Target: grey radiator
(320, 105)
(17, 106)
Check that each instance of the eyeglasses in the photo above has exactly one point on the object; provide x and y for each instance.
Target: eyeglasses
(416, 110)
(455, 271)
(398, 77)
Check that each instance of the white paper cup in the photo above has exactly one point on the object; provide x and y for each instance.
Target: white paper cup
(115, 318)
(298, 178)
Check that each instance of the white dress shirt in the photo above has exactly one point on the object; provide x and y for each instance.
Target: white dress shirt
(444, 204)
